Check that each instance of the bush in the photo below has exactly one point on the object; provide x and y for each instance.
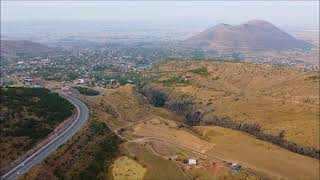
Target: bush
(156, 97)
(175, 80)
(59, 173)
(97, 127)
(201, 71)
(86, 91)
(111, 111)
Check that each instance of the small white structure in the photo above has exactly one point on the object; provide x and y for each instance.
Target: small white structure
(192, 162)
(235, 164)
(81, 81)
(28, 79)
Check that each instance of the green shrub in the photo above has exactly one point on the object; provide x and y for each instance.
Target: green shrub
(175, 80)
(97, 127)
(201, 71)
(86, 91)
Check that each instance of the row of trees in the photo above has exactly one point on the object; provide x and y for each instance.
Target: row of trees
(183, 104)
(226, 123)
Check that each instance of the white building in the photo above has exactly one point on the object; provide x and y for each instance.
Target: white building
(235, 165)
(192, 162)
(81, 81)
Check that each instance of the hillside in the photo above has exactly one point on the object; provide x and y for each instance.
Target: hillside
(282, 102)
(252, 35)
(125, 110)
(156, 144)
(28, 115)
(24, 48)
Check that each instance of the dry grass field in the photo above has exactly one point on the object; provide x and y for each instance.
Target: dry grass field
(267, 159)
(124, 104)
(125, 168)
(168, 131)
(157, 167)
(183, 144)
(280, 100)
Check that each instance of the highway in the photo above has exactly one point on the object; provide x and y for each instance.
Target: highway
(46, 150)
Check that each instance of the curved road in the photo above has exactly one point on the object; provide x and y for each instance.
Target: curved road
(46, 150)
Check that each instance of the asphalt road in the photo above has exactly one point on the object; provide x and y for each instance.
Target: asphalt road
(46, 150)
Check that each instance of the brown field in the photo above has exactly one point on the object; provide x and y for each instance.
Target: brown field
(206, 168)
(125, 168)
(277, 99)
(265, 158)
(157, 167)
(128, 103)
(168, 131)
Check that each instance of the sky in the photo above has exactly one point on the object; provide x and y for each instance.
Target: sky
(283, 13)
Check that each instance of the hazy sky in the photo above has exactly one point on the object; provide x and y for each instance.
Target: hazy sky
(283, 13)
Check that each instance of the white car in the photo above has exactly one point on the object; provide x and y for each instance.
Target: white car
(22, 164)
(18, 172)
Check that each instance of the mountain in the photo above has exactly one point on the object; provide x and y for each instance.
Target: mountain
(24, 48)
(252, 35)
